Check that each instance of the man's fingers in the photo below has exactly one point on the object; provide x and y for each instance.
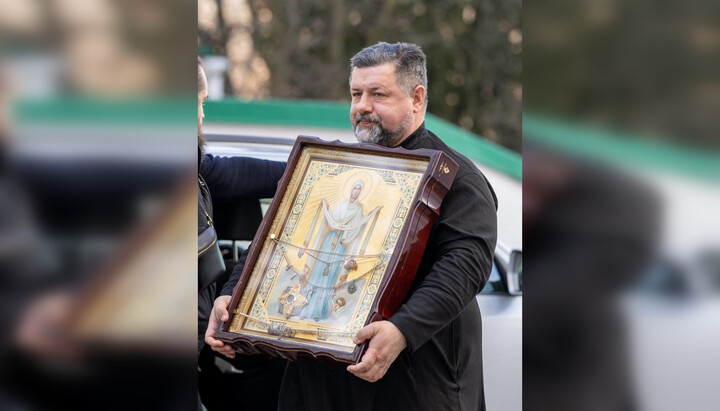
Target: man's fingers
(367, 362)
(373, 374)
(221, 347)
(224, 316)
(386, 341)
(214, 343)
(220, 307)
(221, 313)
(227, 351)
(211, 328)
(365, 333)
(376, 372)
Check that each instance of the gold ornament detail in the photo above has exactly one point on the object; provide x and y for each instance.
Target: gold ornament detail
(443, 168)
(291, 299)
(350, 265)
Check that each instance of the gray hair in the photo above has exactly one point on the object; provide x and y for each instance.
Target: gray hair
(409, 59)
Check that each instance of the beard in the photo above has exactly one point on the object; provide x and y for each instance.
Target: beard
(377, 134)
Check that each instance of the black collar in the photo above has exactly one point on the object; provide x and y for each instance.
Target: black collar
(415, 138)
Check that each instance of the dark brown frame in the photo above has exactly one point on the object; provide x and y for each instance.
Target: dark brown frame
(401, 267)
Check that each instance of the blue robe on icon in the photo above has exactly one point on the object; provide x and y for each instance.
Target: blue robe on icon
(337, 240)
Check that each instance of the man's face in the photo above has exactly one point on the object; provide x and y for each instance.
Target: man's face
(380, 112)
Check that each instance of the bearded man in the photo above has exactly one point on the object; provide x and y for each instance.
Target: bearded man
(428, 356)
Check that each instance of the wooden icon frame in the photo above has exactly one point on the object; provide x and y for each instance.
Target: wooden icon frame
(337, 249)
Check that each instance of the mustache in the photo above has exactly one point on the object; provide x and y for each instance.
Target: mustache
(366, 117)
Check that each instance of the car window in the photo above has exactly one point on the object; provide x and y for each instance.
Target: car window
(494, 284)
(663, 277)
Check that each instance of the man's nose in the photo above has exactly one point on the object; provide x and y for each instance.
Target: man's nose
(364, 105)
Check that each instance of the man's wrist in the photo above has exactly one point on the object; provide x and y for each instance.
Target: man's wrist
(400, 325)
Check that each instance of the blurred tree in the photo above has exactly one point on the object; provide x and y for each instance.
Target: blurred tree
(474, 50)
(647, 68)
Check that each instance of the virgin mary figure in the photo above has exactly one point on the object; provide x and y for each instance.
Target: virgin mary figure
(333, 250)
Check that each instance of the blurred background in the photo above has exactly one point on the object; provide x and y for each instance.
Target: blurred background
(620, 190)
(289, 49)
(97, 147)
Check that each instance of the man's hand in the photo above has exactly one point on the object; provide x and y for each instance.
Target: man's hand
(386, 343)
(218, 315)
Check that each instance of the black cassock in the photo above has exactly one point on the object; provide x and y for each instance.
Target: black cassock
(442, 367)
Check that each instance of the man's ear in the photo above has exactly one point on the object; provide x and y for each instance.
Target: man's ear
(418, 99)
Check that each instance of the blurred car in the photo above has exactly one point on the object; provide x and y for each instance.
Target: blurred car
(500, 301)
(672, 315)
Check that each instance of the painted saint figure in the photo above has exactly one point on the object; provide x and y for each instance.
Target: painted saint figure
(336, 243)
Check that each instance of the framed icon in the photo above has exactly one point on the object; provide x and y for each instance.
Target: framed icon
(337, 249)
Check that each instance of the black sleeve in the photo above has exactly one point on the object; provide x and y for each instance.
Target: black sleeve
(235, 276)
(233, 178)
(462, 246)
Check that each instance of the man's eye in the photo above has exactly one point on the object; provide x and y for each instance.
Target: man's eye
(356, 94)
(379, 95)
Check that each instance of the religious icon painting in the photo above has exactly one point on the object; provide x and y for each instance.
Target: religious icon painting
(338, 248)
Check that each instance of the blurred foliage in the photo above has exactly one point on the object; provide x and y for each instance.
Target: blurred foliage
(646, 67)
(474, 50)
(98, 48)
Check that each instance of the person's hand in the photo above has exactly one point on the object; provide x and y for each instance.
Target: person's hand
(43, 328)
(386, 343)
(218, 315)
